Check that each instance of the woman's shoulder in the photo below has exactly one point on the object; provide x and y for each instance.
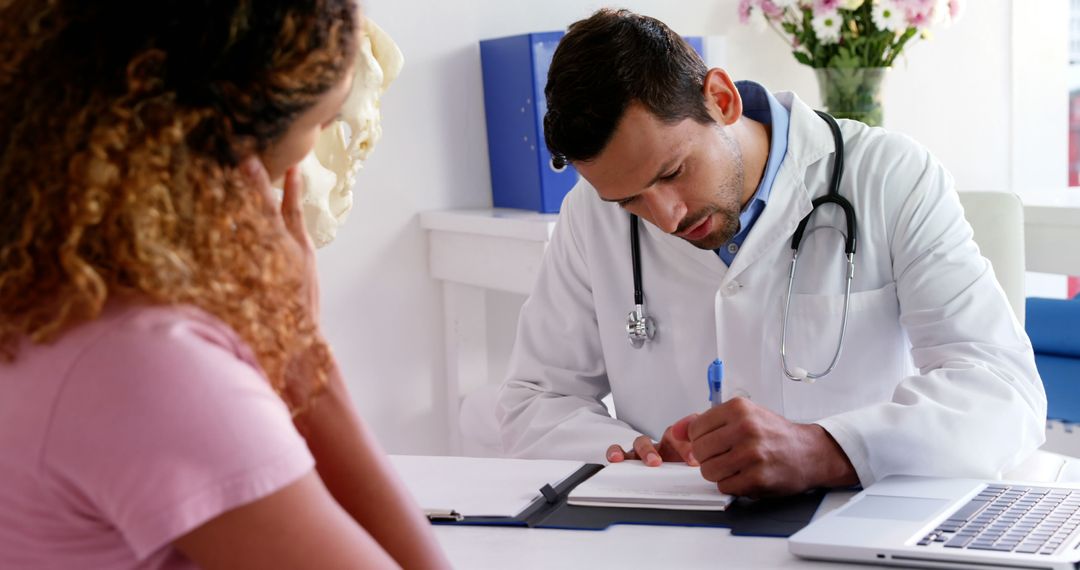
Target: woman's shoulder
(130, 349)
(154, 356)
(136, 328)
(162, 422)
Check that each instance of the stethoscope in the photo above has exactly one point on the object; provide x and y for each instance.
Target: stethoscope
(640, 327)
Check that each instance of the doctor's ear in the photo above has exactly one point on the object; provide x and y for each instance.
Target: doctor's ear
(721, 97)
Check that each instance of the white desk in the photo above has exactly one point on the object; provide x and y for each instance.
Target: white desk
(499, 249)
(622, 547)
(658, 547)
(503, 486)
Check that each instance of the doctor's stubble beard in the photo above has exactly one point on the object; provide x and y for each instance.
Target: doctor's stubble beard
(726, 202)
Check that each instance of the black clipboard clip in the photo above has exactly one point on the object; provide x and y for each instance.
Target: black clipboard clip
(441, 515)
(551, 496)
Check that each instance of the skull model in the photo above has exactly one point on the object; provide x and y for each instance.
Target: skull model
(329, 170)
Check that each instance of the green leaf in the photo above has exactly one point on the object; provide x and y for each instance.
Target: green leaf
(844, 59)
(803, 58)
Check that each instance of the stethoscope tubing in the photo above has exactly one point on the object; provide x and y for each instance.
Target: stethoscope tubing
(641, 328)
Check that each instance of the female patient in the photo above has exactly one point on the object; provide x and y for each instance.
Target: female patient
(166, 397)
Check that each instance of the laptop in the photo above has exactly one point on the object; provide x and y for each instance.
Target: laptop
(950, 523)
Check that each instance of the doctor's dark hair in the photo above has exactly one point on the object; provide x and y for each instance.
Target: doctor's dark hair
(604, 63)
(123, 124)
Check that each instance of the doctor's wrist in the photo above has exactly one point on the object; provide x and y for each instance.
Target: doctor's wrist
(829, 465)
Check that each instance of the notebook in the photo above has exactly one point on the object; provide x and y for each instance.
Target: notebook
(672, 486)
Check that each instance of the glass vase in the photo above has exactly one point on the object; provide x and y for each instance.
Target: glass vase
(852, 92)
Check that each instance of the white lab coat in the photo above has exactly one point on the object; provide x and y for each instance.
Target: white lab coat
(936, 376)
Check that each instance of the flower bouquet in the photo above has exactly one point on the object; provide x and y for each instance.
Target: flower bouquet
(850, 43)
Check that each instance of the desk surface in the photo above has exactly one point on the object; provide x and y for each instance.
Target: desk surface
(660, 547)
(436, 481)
(621, 546)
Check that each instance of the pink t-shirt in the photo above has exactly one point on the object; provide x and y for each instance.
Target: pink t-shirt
(129, 432)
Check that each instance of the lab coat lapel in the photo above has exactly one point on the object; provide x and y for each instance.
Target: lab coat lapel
(809, 140)
(678, 247)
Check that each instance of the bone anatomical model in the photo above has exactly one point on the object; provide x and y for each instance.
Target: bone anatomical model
(329, 170)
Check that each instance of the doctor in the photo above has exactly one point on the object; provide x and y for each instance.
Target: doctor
(935, 376)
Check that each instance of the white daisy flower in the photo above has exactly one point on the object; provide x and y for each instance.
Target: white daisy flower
(827, 26)
(887, 15)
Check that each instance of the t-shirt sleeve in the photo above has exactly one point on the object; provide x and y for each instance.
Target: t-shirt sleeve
(165, 423)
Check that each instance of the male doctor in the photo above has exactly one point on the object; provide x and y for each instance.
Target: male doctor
(935, 376)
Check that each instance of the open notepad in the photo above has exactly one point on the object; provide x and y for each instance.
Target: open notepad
(632, 484)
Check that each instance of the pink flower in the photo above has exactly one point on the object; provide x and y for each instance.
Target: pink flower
(744, 11)
(771, 10)
(919, 12)
(956, 8)
(822, 6)
(917, 19)
(918, 5)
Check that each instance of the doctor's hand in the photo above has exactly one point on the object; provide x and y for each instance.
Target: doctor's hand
(750, 451)
(652, 453)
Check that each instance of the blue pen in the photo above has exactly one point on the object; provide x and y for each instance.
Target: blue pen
(716, 382)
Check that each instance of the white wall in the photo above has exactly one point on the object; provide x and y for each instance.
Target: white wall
(383, 313)
(988, 95)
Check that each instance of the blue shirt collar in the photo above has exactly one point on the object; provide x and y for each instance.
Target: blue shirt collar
(760, 105)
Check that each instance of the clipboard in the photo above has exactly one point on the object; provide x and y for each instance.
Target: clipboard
(549, 509)
(550, 500)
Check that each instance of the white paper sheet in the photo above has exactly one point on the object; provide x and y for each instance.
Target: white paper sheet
(633, 484)
(476, 486)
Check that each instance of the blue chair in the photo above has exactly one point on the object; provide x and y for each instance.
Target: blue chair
(1054, 328)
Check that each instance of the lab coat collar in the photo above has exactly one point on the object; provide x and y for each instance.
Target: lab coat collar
(809, 141)
(815, 138)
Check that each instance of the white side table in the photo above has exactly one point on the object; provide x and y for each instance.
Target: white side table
(1052, 231)
(472, 251)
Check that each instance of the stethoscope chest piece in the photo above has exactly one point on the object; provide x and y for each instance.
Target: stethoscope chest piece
(639, 326)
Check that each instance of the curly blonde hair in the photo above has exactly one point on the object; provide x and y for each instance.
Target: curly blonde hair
(123, 126)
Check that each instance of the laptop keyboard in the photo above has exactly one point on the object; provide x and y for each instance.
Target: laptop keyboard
(1004, 518)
